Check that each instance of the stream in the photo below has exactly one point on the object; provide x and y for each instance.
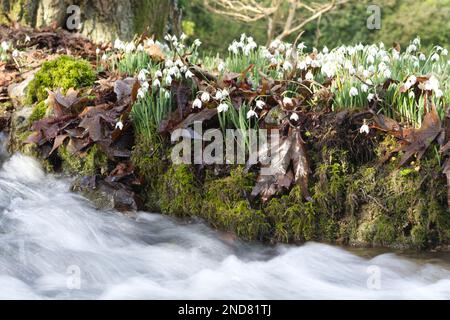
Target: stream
(55, 245)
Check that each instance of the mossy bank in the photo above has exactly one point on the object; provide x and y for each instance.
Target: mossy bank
(356, 198)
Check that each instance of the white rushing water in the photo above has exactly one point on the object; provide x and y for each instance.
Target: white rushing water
(54, 244)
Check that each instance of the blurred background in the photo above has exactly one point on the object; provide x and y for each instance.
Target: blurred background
(217, 22)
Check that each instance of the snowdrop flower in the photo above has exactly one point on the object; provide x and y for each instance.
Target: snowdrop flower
(371, 68)
(158, 74)
(438, 93)
(27, 38)
(219, 95)
(288, 101)
(294, 117)
(329, 69)
(179, 63)
(119, 125)
(251, 114)
(169, 63)
(444, 52)
(387, 73)
(5, 46)
(411, 48)
(411, 95)
(197, 103)
(325, 50)
(302, 65)
(169, 79)
(223, 107)
(167, 37)
(364, 128)
(287, 66)
(221, 67)
(197, 43)
(225, 93)
(205, 96)
(140, 47)
(141, 93)
(301, 46)
(395, 54)
(432, 84)
(370, 96)
(144, 86)
(104, 57)
(309, 76)
(366, 73)
(173, 71)
(410, 82)
(166, 93)
(189, 74)
(360, 47)
(370, 59)
(97, 51)
(351, 50)
(183, 36)
(118, 44)
(15, 53)
(435, 57)
(422, 57)
(130, 47)
(156, 83)
(364, 87)
(353, 92)
(142, 76)
(260, 104)
(416, 41)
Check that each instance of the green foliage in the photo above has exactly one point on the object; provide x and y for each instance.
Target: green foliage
(148, 112)
(133, 62)
(63, 72)
(188, 27)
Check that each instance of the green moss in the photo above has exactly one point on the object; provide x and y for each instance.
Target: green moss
(90, 163)
(384, 232)
(180, 193)
(63, 72)
(38, 113)
(148, 157)
(226, 207)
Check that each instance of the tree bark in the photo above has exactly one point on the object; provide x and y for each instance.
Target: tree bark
(101, 20)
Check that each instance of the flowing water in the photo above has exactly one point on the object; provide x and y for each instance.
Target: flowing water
(55, 244)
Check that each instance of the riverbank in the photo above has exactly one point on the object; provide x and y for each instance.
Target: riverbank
(353, 171)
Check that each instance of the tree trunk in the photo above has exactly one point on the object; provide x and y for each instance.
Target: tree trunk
(101, 20)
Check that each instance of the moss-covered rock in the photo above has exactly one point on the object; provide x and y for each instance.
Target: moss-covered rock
(148, 157)
(90, 163)
(39, 111)
(63, 72)
(180, 192)
(225, 205)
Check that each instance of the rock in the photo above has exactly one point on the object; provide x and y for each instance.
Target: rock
(17, 91)
(106, 195)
